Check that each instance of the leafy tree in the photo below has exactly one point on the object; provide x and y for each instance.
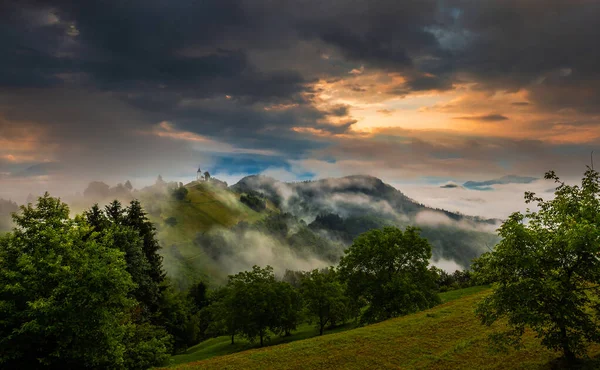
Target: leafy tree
(180, 193)
(128, 185)
(388, 269)
(206, 175)
(547, 270)
(63, 293)
(223, 314)
(146, 346)
(294, 278)
(324, 297)
(288, 309)
(179, 319)
(252, 303)
(171, 221)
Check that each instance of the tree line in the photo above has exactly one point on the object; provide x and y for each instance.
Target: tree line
(90, 291)
(385, 273)
(87, 291)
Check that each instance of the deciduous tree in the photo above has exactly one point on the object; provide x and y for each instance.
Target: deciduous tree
(63, 294)
(388, 268)
(324, 298)
(546, 270)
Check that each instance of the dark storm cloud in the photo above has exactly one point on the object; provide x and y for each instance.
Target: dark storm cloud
(542, 45)
(240, 71)
(142, 44)
(203, 48)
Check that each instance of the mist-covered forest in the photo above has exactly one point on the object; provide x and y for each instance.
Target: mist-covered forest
(155, 271)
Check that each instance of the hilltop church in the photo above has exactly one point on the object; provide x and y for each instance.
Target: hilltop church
(200, 176)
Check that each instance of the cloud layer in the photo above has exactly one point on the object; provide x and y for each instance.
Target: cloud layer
(413, 91)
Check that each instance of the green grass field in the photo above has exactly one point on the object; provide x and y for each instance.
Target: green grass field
(445, 337)
(222, 345)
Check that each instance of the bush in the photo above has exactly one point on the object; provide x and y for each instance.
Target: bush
(171, 221)
(180, 193)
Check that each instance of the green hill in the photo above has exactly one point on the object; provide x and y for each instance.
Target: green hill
(178, 222)
(445, 337)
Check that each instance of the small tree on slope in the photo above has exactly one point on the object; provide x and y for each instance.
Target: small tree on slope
(547, 270)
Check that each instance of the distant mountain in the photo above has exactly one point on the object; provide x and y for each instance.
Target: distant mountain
(509, 179)
(342, 208)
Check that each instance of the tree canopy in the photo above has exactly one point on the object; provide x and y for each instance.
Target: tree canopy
(388, 268)
(324, 295)
(547, 271)
(63, 292)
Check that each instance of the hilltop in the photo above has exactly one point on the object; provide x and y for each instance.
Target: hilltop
(448, 336)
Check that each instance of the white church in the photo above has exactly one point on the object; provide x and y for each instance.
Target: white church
(200, 176)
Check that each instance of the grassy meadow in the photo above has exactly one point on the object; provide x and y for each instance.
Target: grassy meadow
(448, 336)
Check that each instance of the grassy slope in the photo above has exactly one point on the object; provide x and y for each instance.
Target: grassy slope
(206, 206)
(222, 345)
(445, 337)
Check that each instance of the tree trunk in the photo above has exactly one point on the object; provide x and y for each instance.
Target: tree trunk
(232, 335)
(569, 355)
(321, 326)
(261, 339)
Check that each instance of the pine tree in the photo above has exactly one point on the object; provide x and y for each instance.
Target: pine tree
(115, 212)
(96, 218)
(135, 217)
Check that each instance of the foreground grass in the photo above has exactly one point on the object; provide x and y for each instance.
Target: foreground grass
(445, 337)
(459, 293)
(222, 345)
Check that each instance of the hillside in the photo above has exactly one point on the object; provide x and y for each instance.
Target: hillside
(445, 337)
(207, 206)
(343, 208)
(210, 233)
(178, 222)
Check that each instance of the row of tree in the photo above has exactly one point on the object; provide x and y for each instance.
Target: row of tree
(88, 291)
(383, 274)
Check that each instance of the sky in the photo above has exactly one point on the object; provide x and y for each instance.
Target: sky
(415, 92)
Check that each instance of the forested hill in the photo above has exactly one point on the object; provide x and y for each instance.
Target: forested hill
(347, 196)
(342, 208)
(209, 230)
